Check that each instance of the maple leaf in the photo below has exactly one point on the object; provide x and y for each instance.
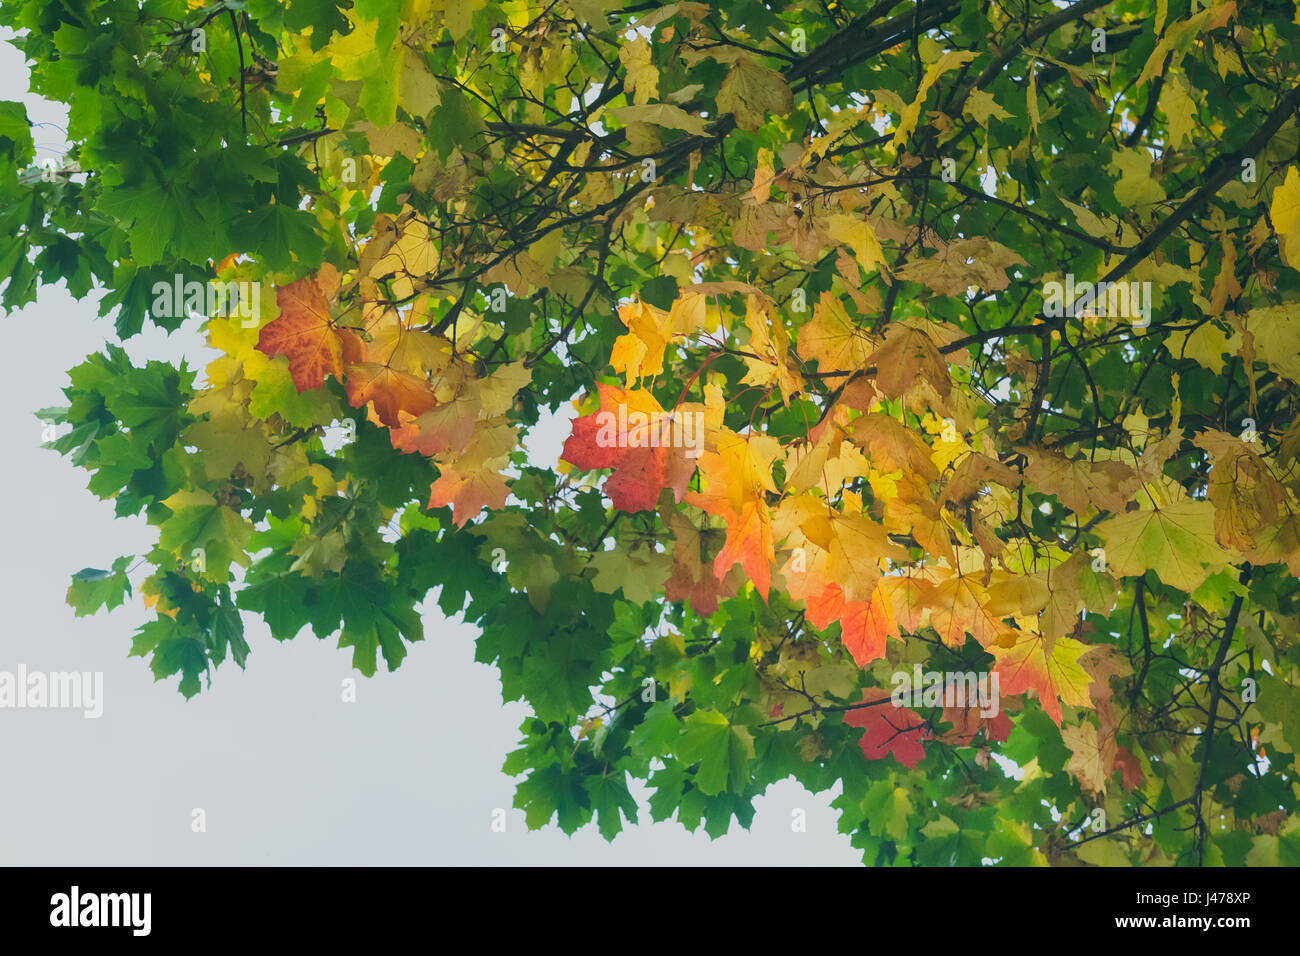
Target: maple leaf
(892, 446)
(231, 441)
(468, 494)
(734, 481)
(642, 76)
(414, 254)
(770, 342)
(907, 356)
(640, 352)
(958, 606)
(832, 339)
(1131, 776)
(1280, 541)
(1092, 756)
(619, 436)
(805, 463)
(661, 114)
(1052, 673)
(962, 264)
(1285, 213)
(392, 391)
(858, 548)
(446, 428)
(864, 625)
(906, 594)
(692, 580)
(1275, 335)
(534, 567)
(754, 92)
(304, 333)
(749, 544)
(721, 749)
(1136, 185)
(390, 342)
(967, 722)
(1017, 595)
(1245, 495)
(889, 730)
(1177, 541)
(199, 521)
(971, 473)
(858, 235)
(1081, 485)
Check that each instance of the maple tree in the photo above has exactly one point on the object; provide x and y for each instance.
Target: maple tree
(825, 234)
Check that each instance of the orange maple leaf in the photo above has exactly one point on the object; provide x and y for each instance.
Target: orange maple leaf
(469, 494)
(304, 333)
(440, 430)
(1053, 673)
(864, 625)
(749, 544)
(392, 391)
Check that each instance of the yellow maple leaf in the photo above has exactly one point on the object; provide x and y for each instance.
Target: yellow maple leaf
(1177, 541)
(857, 234)
(642, 76)
(1285, 213)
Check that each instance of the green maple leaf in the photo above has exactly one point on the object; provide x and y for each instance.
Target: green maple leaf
(284, 237)
(175, 648)
(722, 750)
(92, 588)
(1176, 541)
(554, 792)
(200, 523)
(321, 18)
(227, 631)
(151, 401)
(610, 802)
(16, 145)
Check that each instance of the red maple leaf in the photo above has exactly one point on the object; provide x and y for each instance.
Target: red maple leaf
(889, 729)
(617, 436)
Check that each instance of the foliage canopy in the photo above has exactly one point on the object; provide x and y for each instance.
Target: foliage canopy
(828, 232)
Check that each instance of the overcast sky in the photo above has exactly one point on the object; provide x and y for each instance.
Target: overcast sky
(284, 770)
